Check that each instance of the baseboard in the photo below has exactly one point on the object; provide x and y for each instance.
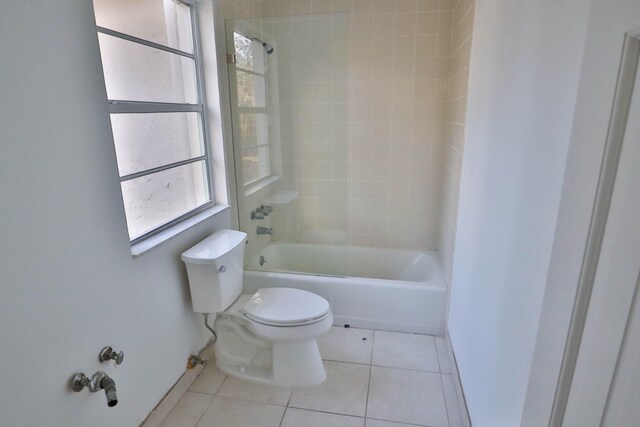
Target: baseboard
(162, 409)
(462, 402)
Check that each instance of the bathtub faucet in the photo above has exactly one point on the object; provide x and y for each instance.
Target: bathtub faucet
(261, 212)
(264, 230)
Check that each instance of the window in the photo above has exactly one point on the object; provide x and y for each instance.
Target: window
(153, 76)
(251, 108)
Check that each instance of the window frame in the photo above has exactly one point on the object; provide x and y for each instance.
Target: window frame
(141, 107)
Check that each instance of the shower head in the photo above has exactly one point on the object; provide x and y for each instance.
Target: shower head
(267, 47)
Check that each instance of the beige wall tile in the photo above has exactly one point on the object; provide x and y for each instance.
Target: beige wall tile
(368, 101)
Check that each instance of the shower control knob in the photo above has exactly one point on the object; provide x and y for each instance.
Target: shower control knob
(222, 269)
(257, 214)
(107, 354)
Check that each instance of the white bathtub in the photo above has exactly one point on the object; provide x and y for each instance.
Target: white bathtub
(386, 289)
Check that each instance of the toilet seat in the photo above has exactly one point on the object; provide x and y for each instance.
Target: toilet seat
(285, 307)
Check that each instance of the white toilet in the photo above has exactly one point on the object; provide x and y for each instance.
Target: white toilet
(268, 337)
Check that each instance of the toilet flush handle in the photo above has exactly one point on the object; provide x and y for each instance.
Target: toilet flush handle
(222, 269)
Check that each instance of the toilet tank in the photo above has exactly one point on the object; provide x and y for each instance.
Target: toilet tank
(214, 267)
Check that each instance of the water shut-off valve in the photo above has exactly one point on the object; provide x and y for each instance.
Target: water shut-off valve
(100, 380)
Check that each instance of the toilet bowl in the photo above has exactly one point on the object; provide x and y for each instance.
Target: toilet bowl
(281, 348)
(268, 337)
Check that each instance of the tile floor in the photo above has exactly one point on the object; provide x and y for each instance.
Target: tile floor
(374, 379)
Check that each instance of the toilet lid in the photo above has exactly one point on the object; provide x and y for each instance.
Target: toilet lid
(285, 306)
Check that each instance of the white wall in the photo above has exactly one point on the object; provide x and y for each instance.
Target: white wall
(69, 284)
(524, 72)
(607, 23)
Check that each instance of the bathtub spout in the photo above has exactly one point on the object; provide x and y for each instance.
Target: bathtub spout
(264, 230)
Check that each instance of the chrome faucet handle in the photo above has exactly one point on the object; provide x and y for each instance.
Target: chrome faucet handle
(266, 209)
(258, 214)
(107, 354)
(79, 381)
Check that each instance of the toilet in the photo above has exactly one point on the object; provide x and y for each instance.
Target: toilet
(266, 338)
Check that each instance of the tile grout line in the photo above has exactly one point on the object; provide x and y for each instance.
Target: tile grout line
(400, 423)
(435, 343)
(252, 401)
(213, 396)
(408, 369)
(366, 406)
(328, 412)
(444, 396)
(204, 412)
(286, 408)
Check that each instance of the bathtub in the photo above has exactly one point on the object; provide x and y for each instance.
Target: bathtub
(388, 289)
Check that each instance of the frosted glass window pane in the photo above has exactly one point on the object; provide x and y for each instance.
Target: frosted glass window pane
(134, 72)
(254, 129)
(145, 141)
(165, 22)
(249, 53)
(251, 90)
(153, 200)
(255, 163)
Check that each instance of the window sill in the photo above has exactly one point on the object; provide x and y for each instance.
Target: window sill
(254, 188)
(157, 239)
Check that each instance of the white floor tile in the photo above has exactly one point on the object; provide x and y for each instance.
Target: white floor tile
(303, 418)
(379, 423)
(451, 398)
(225, 412)
(408, 351)
(407, 396)
(343, 392)
(443, 356)
(239, 389)
(188, 410)
(347, 345)
(406, 389)
(209, 380)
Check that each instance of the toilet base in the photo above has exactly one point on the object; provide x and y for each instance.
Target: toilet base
(298, 364)
(294, 365)
(290, 364)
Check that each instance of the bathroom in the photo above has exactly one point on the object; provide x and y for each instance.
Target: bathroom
(472, 132)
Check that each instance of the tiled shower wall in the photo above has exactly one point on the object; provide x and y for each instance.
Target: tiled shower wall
(393, 181)
(463, 15)
(369, 164)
